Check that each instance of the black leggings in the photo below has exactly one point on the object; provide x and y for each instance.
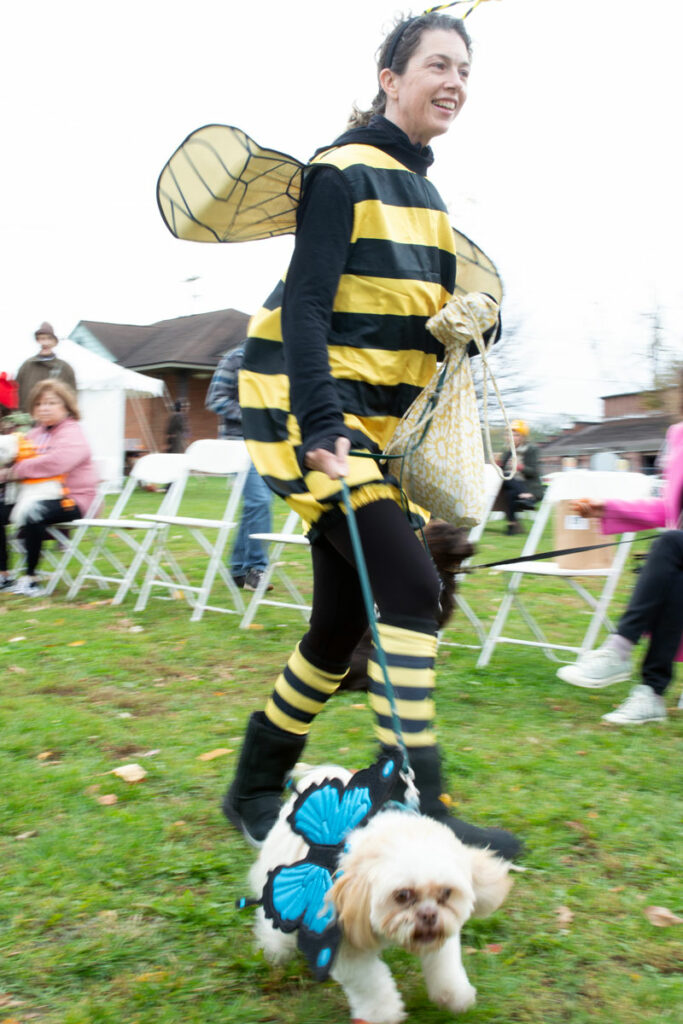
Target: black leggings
(404, 583)
(44, 514)
(656, 607)
(4, 520)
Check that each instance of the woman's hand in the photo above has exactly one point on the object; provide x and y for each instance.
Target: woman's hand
(587, 508)
(5, 474)
(333, 464)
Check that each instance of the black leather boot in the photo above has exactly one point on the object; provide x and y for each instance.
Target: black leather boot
(426, 763)
(252, 803)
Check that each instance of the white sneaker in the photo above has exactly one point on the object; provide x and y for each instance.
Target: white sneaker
(596, 669)
(641, 705)
(27, 586)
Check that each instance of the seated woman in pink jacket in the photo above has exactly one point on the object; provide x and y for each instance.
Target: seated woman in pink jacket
(62, 453)
(656, 604)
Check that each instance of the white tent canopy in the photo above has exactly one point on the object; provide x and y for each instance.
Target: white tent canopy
(102, 390)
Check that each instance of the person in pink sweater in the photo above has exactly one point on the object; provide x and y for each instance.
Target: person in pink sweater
(656, 604)
(62, 453)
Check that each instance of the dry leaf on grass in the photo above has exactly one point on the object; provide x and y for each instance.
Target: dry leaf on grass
(564, 916)
(15, 639)
(18, 669)
(211, 754)
(45, 755)
(76, 643)
(27, 835)
(129, 773)
(661, 917)
(107, 799)
(494, 947)
(7, 1000)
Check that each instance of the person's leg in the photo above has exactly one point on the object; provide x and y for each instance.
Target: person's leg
(511, 491)
(256, 518)
(42, 515)
(5, 577)
(656, 607)
(652, 607)
(276, 736)
(258, 500)
(406, 587)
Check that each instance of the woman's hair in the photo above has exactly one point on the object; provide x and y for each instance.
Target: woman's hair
(60, 390)
(398, 48)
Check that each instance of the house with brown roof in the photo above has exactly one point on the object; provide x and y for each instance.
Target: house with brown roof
(633, 429)
(182, 352)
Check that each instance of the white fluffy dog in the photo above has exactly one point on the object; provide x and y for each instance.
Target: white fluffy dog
(405, 880)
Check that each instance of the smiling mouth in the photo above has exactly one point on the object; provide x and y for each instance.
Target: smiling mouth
(447, 105)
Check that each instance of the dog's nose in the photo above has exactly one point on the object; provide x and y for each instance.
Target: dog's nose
(427, 917)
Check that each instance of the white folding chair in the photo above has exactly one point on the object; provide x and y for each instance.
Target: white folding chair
(290, 534)
(492, 482)
(101, 562)
(68, 541)
(565, 487)
(208, 457)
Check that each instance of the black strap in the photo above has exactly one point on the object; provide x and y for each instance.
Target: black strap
(552, 554)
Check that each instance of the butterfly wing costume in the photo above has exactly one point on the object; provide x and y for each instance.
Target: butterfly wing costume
(295, 895)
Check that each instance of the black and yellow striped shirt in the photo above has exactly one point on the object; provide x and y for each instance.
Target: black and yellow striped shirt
(398, 271)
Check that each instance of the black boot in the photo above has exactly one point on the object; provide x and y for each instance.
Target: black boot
(252, 803)
(426, 763)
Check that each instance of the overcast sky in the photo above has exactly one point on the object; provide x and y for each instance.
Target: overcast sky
(564, 164)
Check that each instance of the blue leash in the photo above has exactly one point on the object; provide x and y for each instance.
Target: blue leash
(411, 798)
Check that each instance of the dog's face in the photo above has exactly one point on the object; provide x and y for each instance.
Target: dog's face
(418, 912)
(406, 880)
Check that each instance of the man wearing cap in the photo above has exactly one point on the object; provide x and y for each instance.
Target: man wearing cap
(43, 365)
(525, 489)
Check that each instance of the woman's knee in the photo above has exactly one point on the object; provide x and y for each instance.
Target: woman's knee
(668, 547)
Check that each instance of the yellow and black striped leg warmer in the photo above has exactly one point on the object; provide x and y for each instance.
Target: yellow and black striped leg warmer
(300, 693)
(410, 662)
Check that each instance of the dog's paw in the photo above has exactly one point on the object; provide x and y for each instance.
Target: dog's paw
(457, 1000)
(387, 1010)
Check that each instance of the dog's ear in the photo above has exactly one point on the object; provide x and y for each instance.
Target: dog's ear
(490, 880)
(448, 545)
(350, 895)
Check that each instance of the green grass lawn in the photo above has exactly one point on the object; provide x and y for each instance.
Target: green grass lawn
(121, 911)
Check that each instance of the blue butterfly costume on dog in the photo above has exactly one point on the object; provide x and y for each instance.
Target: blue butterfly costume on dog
(294, 896)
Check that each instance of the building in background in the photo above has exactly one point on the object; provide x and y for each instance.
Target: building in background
(182, 352)
(632, 429)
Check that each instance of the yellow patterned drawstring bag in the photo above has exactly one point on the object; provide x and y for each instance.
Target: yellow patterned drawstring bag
(439, 440)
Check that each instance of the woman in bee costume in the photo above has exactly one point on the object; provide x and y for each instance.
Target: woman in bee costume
(333, 360)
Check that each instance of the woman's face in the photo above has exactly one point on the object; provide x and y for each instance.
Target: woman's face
(49, 410)
(429, 95)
